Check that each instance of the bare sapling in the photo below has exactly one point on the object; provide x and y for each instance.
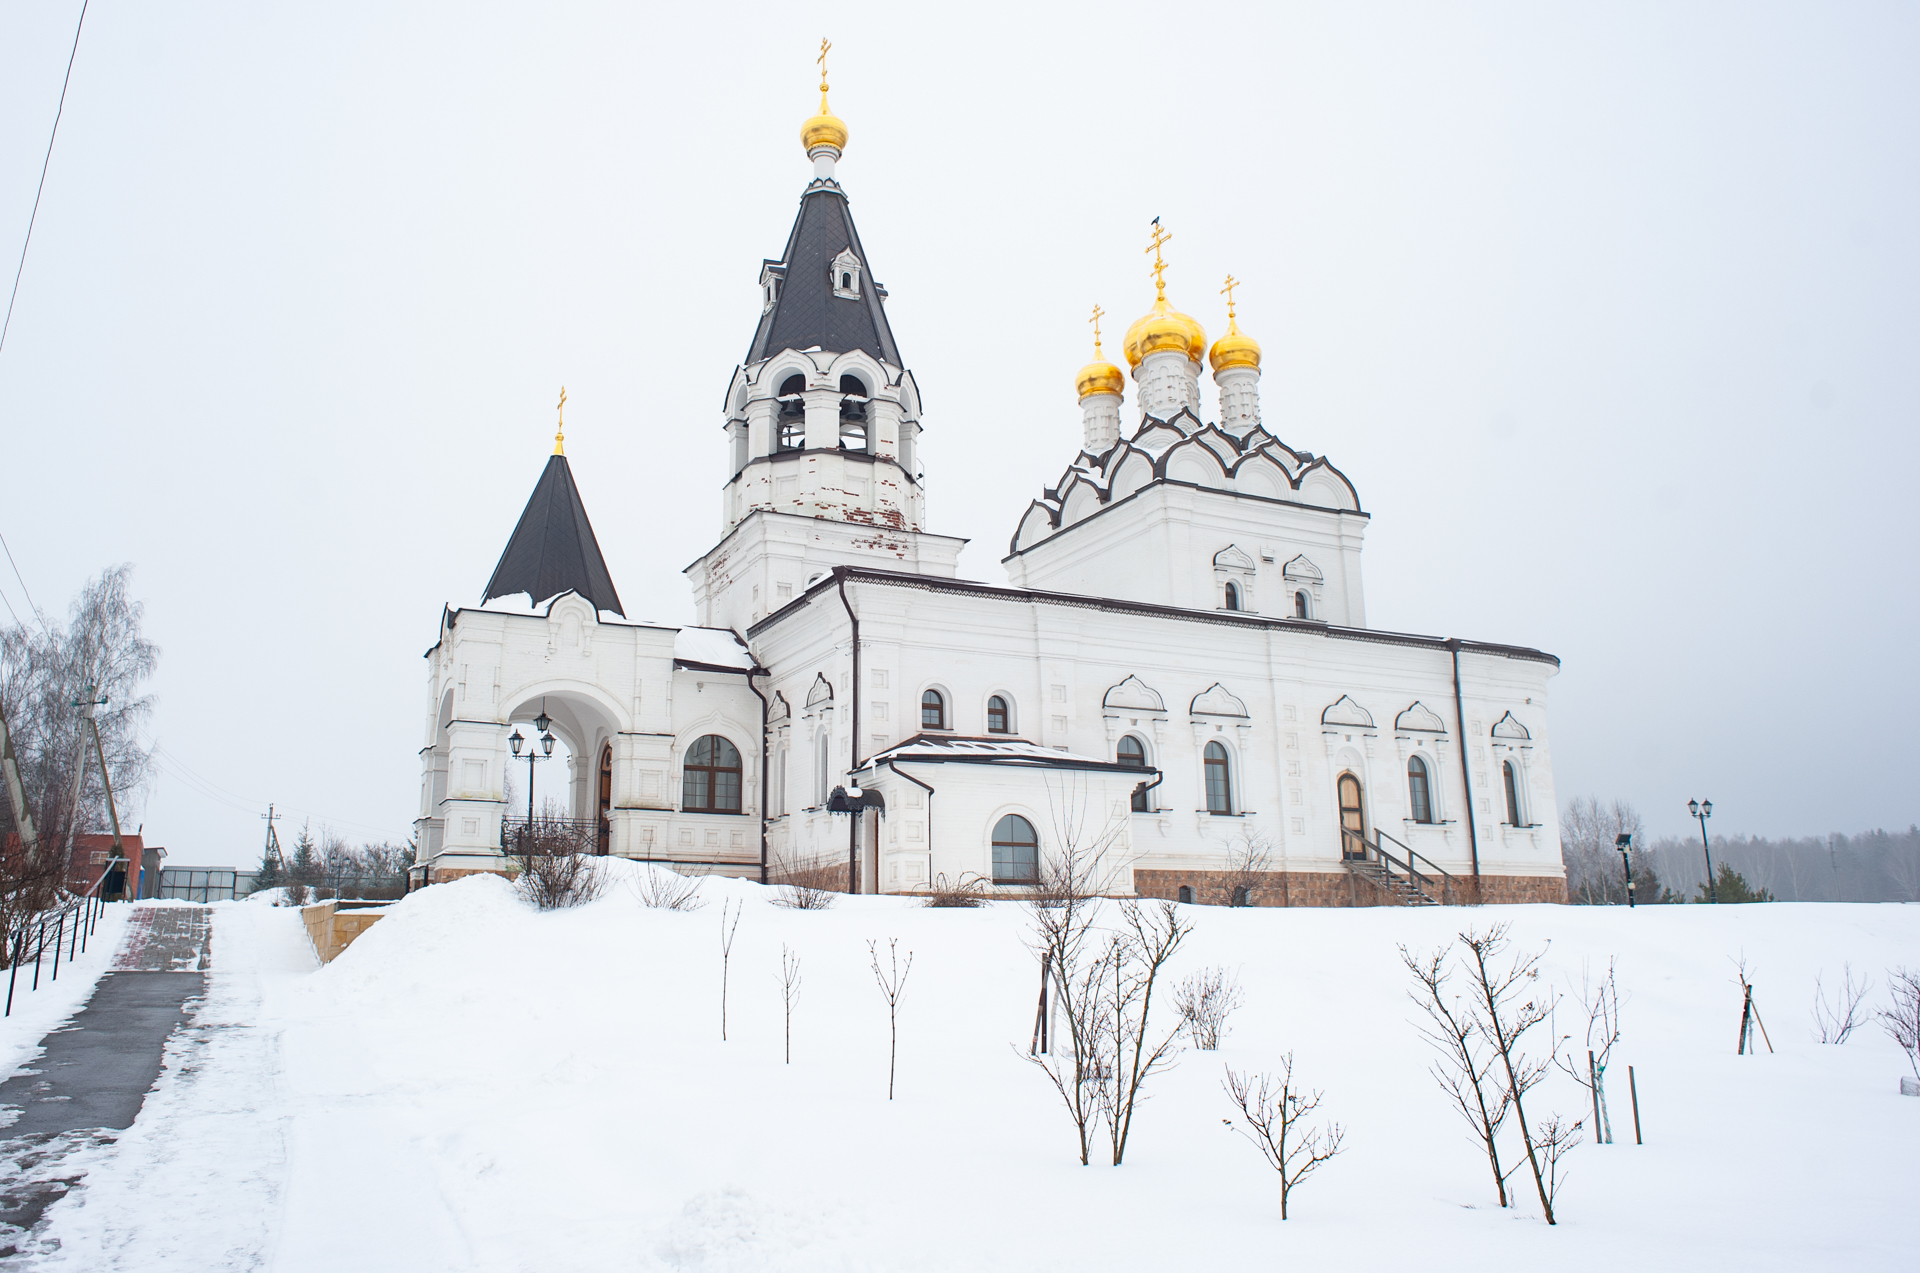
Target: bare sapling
(1837, 1018)
(1902, 1020)
(969, 890)
(1465, 1070)
(789, 991)
(1555, 1139)
(1587, 1064)
(1274, 1117)
(663, 890)
(1140, 956)
(726, 956)
(554, 879)
(1248, 861)
(1205, 1000)
(1073, 968)
(1511, 1003)
(810, 887)
(891, 983)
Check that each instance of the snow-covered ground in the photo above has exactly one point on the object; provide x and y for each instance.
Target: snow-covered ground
(474, 1085)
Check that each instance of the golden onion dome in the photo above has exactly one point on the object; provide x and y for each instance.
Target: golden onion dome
(1099, 376)
(1235, 349)
(824, 129)
(1164, 329)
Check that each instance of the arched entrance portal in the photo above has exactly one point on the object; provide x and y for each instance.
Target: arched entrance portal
(1353, 818)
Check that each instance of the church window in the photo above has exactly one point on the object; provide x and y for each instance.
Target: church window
(1241, 896)
(793, 413)
(1219, 780)
(846, 282)
(933, 710)
(711, 782)
(1419, 797)
(1132, 754)
(1016, 851)
(1233, 596)
(1513, 794)
(1186, 893)
(780, 783)
(1300, 609)
(997, 715)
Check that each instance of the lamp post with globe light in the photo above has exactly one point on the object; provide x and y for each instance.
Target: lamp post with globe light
(1702, 810)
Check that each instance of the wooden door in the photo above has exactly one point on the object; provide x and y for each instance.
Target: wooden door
(1353, 818)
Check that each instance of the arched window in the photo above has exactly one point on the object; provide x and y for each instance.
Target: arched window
(820, 769)
(793, 413)
(846, 281)
(1513, 794)
(1300, 606)
(1016, 851)
(997, 715)
(1419, 795)
(711, 781)
(1353, 819)
(853, 414)
(1132, 754)
(780, 761)
(1233, 596)
(933, 710)
(1186, 894)
(1219, 780)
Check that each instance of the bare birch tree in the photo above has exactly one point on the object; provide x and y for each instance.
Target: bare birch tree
(1273, 1115)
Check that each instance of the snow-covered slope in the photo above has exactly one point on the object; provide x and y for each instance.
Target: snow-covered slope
(477, 1086)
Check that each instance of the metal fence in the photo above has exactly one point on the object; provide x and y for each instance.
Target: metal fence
(46, 937)
(204, 883)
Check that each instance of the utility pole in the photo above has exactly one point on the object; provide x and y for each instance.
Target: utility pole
(272, 852)
(86, 707)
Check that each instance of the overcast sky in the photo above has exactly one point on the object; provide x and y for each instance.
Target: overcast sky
(1611, 313)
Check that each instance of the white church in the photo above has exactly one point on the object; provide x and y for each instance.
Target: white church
(1178, 669)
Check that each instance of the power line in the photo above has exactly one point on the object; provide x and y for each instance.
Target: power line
(44, 164)
(23, 590)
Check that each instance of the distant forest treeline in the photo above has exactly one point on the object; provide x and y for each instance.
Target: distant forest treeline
(1877, 866)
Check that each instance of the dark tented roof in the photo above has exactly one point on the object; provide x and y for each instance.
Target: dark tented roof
(808, 313)
(553, 548)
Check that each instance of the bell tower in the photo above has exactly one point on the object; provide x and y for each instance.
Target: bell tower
(822, 419)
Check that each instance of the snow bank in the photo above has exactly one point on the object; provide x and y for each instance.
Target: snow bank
(476, 1085)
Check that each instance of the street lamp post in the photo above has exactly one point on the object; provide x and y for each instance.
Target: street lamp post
(1702, 810)
(1624, 843)
(543, 752)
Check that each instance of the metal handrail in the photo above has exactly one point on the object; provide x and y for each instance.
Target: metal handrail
(1420, 882)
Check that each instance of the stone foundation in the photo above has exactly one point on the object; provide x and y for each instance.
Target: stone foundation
(444, 874)
(1337, 888)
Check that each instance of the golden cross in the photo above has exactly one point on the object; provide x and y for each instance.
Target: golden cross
(1227, 292)
(560, 425)
(825, 44)
(1160, 236)
(1095, 320)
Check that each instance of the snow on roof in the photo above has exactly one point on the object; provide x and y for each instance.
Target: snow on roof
(989, 751)
(717, 646)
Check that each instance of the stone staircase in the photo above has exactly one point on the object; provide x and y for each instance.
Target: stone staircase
(1402, 890)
